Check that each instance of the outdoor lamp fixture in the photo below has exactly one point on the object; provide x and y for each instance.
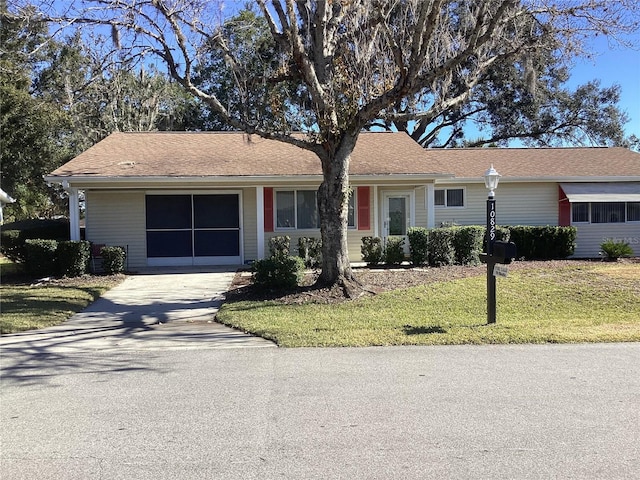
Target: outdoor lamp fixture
(491, 179)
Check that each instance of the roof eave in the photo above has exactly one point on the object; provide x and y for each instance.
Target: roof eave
(566, 179)
(86, 180)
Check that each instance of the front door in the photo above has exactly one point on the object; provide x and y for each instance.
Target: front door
(397, 215)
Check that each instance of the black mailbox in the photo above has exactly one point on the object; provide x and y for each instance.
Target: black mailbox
(504, 252)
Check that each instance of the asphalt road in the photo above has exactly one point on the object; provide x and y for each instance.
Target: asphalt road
(464, 412)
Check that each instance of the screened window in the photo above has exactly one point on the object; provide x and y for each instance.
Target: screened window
(455, 198)
(449, 197)
(633, 212)
(607, 212)
(299, 209)
(580, 212)
(307, 209)
(286, 209)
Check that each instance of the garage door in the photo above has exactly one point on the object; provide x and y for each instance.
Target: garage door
(193, 229)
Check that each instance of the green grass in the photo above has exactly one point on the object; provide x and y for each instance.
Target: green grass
(26, 307)
(599, 303)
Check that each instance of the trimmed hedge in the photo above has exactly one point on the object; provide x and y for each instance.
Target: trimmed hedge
(12, 245)
(441, 248)
(14, 235)
(462, 245)
(467, 243)
(113, 259)
(73, 257)
(278, 271)
(40, 257)
(394, 251)
(418, 245)
(372, 251)
(544, 243)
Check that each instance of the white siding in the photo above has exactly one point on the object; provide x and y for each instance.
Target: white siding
(590, 236)
(516, 204)
(249, 224)
(421, 207)
(117, 218)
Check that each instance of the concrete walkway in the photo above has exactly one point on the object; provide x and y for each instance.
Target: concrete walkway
(156, 310)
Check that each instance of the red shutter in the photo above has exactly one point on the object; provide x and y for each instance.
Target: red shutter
(268, 209)
(564, 209)
(364, 209)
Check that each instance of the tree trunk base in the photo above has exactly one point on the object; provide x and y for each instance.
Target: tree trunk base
(350, 286)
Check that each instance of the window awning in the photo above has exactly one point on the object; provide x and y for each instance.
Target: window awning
(602, 192)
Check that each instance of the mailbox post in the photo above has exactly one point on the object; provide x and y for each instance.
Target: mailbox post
(491, 179)
(497, 251)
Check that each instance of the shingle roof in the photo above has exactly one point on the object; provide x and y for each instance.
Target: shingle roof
(187, 154)
(541, 162)
(178, 154)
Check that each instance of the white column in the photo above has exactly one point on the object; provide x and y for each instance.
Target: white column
(431, 206)
(376, 213)
(74, 213)
(260, 221)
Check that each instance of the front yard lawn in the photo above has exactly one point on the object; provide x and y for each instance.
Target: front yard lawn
(564, 302)
(28, 306)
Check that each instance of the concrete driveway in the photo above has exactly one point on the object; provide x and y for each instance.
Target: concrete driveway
(160, 309)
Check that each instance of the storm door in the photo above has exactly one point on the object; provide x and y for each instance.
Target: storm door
(396, 212)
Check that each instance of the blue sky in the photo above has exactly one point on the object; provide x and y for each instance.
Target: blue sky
(614, 66)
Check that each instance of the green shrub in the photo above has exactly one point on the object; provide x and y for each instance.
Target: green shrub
(441, 249)
(40, 257)
(280, 246)
(543, 242)
(73, 257)
(467, 242)
(278, 272)
(310, 250)
(12, 243)
(565, 241)
(12, 246)
(113, 259)
(371, 250)
(615, 250)
(394, 251)
(418, 245)
(503, 234)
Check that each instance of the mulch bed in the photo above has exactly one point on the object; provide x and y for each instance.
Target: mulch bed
(373, 281)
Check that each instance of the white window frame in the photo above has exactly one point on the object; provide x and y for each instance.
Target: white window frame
(445, 190)
(295, 191)
(588, 220)
(626, 213)
(590, 213)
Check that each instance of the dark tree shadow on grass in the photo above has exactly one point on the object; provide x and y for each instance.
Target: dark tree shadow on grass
(423, 330)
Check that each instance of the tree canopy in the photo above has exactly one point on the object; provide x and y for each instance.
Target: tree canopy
(59, 97)
(332, 68)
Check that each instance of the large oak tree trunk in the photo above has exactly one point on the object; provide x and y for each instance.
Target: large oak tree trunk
(333, 203)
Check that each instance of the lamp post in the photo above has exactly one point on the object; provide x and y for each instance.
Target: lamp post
(491, 179)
